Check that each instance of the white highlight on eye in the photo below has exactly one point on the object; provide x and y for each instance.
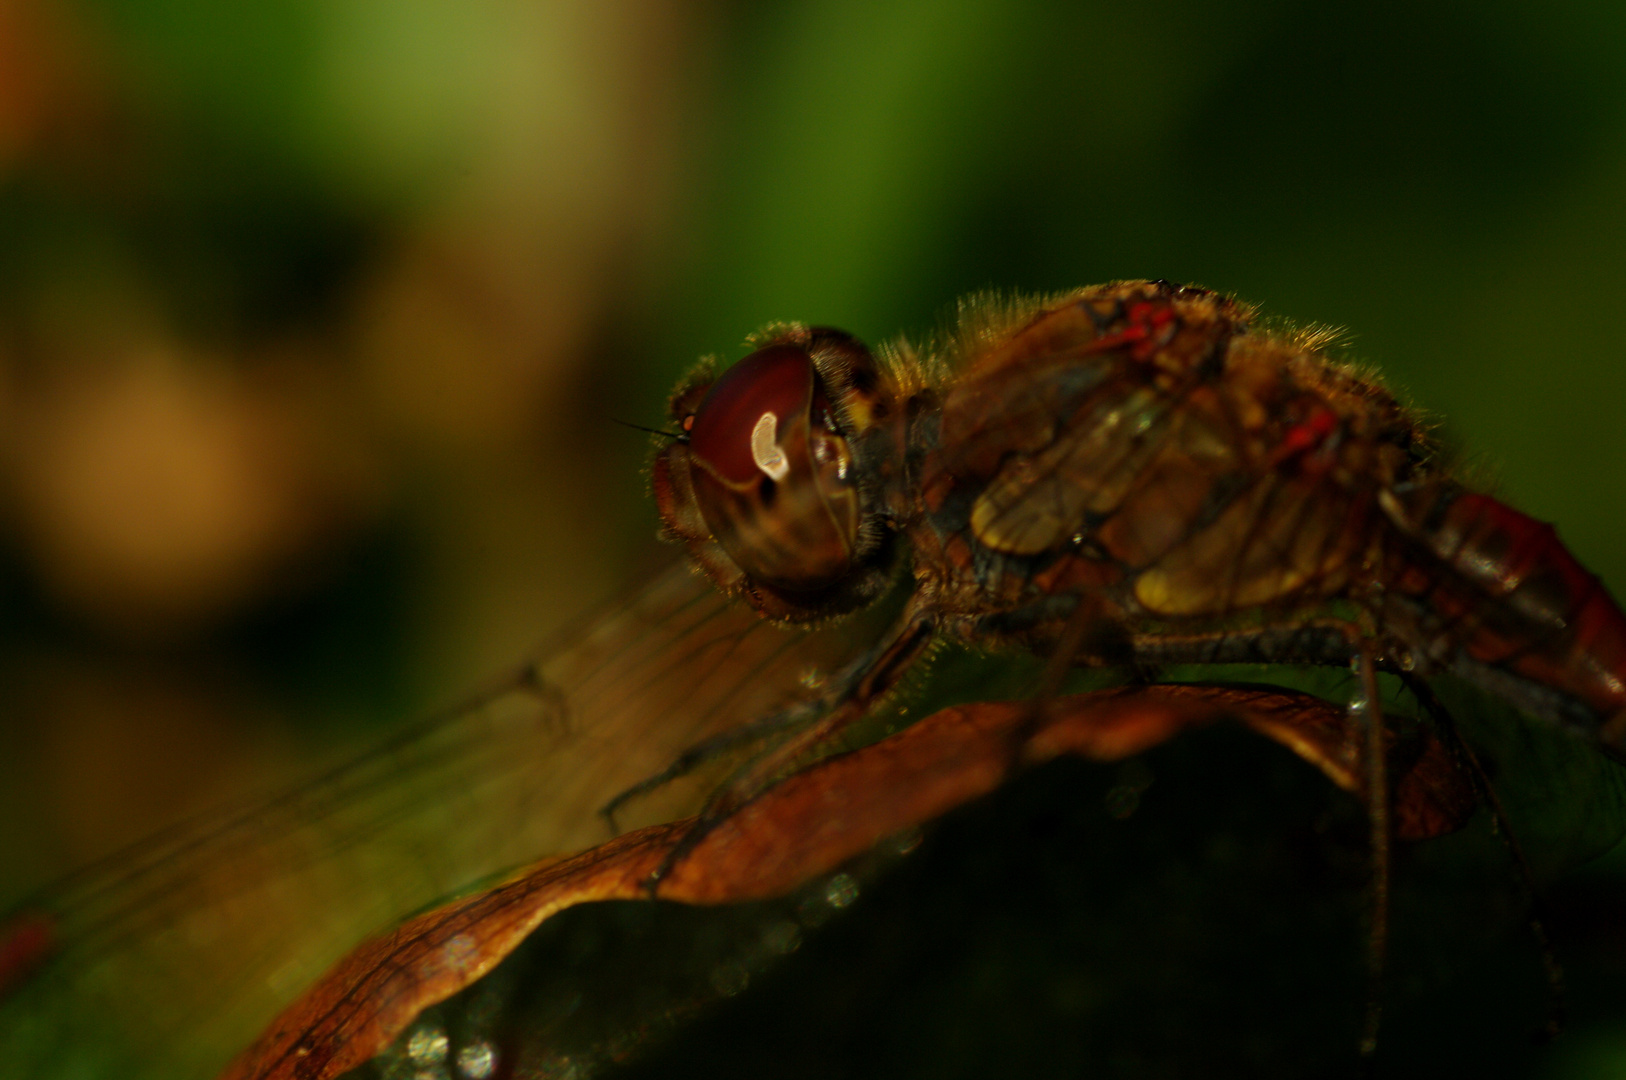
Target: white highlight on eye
(765, 450)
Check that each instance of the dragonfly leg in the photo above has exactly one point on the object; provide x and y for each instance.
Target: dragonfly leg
(1556, 1007)
(1324, 641)
(708, 750)
(1319, 641)
(852, 697)
(1078, 642)
(1330, 642)
(1086, 637)
(1377, 791)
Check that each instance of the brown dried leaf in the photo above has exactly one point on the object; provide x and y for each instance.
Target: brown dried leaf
(805, 827)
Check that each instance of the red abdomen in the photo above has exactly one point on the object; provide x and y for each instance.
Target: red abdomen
(1502, 595)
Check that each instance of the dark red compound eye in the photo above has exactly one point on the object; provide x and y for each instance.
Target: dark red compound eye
(770, 474)
(769, 388)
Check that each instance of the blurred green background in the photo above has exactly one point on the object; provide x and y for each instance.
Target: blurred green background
(315, 314)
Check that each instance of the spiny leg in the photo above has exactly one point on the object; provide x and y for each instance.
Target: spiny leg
(1321, 641)
(1070, 647)
(1464, 753)
(708, 750)
(1312, 640)
(855, 694)
(1369, 709)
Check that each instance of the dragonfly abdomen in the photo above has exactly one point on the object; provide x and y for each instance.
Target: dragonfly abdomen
(1489, 592)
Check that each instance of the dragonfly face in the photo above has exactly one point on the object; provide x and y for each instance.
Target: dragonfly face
(776, 485)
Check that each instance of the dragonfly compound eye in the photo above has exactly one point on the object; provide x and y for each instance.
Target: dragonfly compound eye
(772, 474)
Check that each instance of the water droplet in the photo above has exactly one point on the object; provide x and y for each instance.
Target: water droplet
(906, 842)
(428, 1044)
(477, 1061)
(840, 891)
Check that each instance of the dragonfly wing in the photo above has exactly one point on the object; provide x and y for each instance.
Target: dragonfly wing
(167, 959)
(1099, 441)
(1158, 482)
(1040, 501)
(1054, 425)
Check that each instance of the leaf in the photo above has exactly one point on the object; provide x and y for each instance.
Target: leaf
(162, 962)
(805, 827)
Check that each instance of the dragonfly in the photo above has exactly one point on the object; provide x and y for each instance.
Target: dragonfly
(1125, 477)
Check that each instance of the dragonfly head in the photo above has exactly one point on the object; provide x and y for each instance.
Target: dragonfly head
(768, 486)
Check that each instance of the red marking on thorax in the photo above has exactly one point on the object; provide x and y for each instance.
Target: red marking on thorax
(1306, 435)
(1150, 326)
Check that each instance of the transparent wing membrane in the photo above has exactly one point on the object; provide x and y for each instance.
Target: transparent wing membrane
(168, 958)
